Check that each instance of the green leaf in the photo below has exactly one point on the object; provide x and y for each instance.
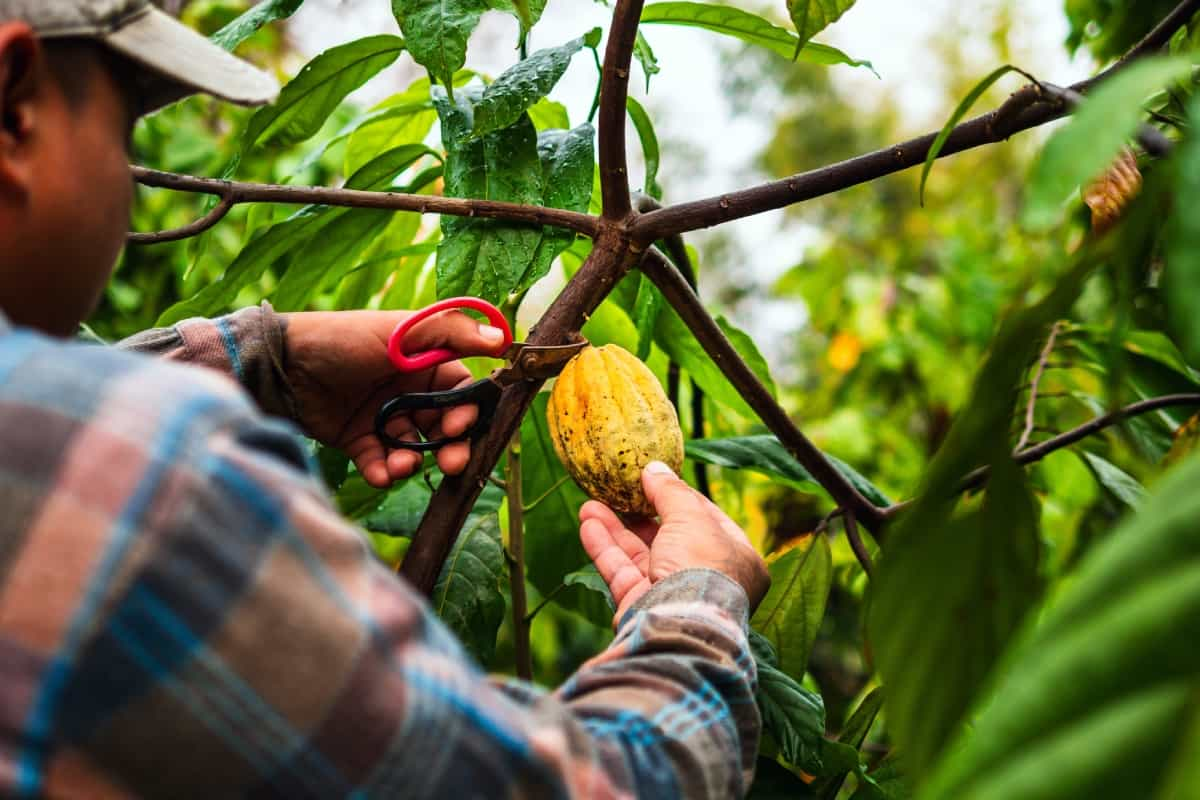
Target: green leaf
(794, 716)
(527, 16)
(552, 548)
(404, 119)
(481, 257)
(401, 510)
(646, 308)
(1123, 485)
(645, 57)
(1100, 127)
(649, 140)
(773, 781)
(1093, 701)
(853, 734)
(812, 16)
(609, 324)
(467, 595)
(677, 340)
(885, 783)
(505, 100)
(249, 23)
(588, 595)
(546, 114)
(1181, 278)
(1180, 782)
(952, 593)
(959, 112)
(752, 29)
(790, 615)
(308, 99)
(438, 31)
(764, 453)
(567, 159)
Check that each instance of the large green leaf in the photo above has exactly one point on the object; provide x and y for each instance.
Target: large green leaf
(853, 734)
(586, 593)
(249, 23)
(1096, 700)
(328, 257)
(282, 238)
(791, 714)
(730, 21)
(481, 257)
(521, 85)
(438, 31)
(764, 453)
(1181, 278)
(567, 158)
(677, 340)
(812, 16)
(646, 308)
(467, 595)
(1123, 485)
(790, 615)
(309, 98)
(1100, 127)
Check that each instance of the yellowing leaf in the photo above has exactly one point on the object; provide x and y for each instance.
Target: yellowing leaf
(1108, 195)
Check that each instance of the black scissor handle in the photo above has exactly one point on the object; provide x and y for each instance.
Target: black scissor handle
(483, 393)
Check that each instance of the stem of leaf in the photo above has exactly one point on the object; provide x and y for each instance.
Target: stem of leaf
(545, 602)
(531, 506)
(599, 81)
(516, 560)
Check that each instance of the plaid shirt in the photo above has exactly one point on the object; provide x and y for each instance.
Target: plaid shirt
(184, 614)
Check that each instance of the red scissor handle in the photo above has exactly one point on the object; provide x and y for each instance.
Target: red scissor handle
(431, 358)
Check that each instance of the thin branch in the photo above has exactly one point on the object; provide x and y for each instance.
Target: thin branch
(1152, 140)
(1033, 388)
(614, 89)
(710, 336)
(1025, 109)
(235, 193)
(1037, 452)
(553, 488)
(858, 545)
(516, 560)
(186, 231)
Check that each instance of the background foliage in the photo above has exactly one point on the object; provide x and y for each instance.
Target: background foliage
(1055, 612)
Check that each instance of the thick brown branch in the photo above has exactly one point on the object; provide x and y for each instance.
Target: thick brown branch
(614, 89)
(234, 193)
(186, 231)
(1029, 455)
(610, 259)
(1023, 110)
(681, 297)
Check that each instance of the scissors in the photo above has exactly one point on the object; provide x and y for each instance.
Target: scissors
(523, 362)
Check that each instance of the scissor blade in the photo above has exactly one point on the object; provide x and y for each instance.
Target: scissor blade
(537, 362)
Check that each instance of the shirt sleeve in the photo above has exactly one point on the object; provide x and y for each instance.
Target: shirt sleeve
(249, 644)
(247, 345)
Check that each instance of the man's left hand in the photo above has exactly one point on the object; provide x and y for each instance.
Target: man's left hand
(340, 374)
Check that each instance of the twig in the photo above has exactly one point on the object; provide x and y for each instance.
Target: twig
(614, 88)
(516, 564)
(1152, 140)
(232, 193)
(1023, 110)
(710, 336)
(494, 481)
(857, 545)
(186, 231)
(545, 602)
(1033, 388)
(823, 525)
(554, 488)
(1037, 452)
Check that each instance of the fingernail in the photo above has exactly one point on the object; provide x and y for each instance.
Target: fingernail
(490, 334)
(659, 468)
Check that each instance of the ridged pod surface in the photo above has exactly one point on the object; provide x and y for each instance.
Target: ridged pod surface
(608, 418)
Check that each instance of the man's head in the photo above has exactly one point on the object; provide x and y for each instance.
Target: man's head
(74, 77)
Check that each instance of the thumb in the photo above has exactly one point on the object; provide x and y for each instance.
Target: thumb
(458, 332)
(668, 493)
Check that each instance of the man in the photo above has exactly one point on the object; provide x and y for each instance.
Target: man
(182, 612)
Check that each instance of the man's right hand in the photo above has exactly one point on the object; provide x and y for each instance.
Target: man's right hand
(692, 533)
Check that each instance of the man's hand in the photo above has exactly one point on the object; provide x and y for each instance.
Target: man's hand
(692, 533)
(340, 374)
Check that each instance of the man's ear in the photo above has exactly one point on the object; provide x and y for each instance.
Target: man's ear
(21, 55)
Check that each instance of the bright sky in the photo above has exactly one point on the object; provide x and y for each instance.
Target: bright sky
(710, 148)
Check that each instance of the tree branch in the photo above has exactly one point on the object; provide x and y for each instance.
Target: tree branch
(1033, 388)
(614, 89)
(1037, 452)
(1025, 109)
(858, 545)
(232, 193)
(186, 231)
(681, 297)
(608, 262)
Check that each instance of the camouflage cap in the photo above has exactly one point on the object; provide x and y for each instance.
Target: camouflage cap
(177, 61)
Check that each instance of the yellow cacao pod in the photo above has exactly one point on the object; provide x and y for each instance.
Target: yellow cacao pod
(609, 418)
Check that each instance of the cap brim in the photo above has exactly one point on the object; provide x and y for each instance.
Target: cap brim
(185, 63)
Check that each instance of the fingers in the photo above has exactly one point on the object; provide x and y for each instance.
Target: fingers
(669, 494)
(614, 564)
(643, 529)
(456, 331)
